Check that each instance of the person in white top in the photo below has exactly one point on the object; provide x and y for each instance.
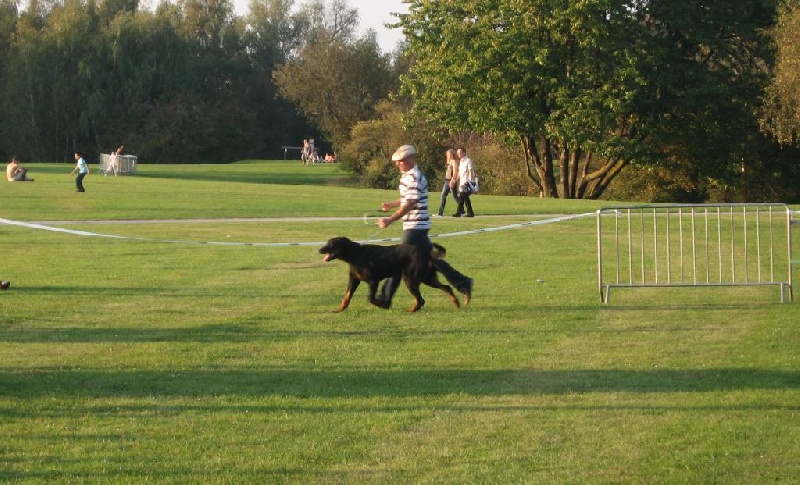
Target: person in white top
(466, 176)
(113, 163)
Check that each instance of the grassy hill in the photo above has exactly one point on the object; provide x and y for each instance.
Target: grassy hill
(132, 350)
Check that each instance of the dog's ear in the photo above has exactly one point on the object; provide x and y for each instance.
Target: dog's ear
(329, 245)
(346, 242)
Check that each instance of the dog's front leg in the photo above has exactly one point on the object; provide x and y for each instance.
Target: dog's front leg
(352, 286)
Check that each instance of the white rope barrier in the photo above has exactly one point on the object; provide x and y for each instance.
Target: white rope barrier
(43, 227)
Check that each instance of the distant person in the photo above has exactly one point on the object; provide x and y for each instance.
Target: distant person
(312, 151)
(451, 171)
(16, 172)
(466, 177)
(4, 285)
(113, 162)
(305, 154)
(330, 158)
(412, 209)
(82, 169)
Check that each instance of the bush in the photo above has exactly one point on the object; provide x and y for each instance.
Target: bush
(671, 182)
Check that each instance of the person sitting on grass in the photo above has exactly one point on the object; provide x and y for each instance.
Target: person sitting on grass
(15, 172)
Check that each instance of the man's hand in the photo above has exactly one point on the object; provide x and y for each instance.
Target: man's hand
(389, 205)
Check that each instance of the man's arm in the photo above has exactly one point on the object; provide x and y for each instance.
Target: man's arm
(402, 210)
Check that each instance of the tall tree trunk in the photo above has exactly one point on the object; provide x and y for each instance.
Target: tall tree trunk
(574, 163)
(531, 160)
(563, 178)
(546, 174)
(604, 178)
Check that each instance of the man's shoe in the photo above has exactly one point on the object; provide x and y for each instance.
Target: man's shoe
(4, 285)
(471, 214)
(381, 303)
(467, 291)
(457, 214)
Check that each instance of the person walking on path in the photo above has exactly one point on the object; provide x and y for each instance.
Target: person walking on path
(466, 177)
(82, 169)
(412, 208)
(450, 172)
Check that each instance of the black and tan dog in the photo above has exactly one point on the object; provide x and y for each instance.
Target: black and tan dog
(371, 263)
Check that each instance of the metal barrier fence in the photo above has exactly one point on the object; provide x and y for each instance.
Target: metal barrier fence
(686, 245)
(126, 164)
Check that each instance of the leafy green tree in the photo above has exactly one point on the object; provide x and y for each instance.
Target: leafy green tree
(367, 153)
(8, 27)
(781, 115)
(334, 81)
(274, 32)
(46, 96)
(588, 87)
(330, 22)
(273, 35)
(108, 9)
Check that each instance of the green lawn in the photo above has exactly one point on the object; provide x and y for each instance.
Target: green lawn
(159, 358)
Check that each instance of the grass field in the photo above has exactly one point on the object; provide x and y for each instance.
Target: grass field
(159, 358)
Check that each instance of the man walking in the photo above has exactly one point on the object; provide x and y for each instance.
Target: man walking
(412, 208)
(466, 177)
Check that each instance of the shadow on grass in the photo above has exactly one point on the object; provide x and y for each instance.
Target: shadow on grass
(92, 383)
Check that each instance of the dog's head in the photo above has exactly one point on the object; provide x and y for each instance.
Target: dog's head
(337, 248)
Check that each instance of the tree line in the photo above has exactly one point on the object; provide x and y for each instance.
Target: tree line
(668, 94)
(187, 82)
(658, 100)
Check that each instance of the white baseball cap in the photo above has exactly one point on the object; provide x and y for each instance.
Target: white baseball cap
(404, 152)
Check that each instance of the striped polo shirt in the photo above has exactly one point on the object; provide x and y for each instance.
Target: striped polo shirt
(414, 187)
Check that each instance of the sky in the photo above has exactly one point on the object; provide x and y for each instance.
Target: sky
(372, 13)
